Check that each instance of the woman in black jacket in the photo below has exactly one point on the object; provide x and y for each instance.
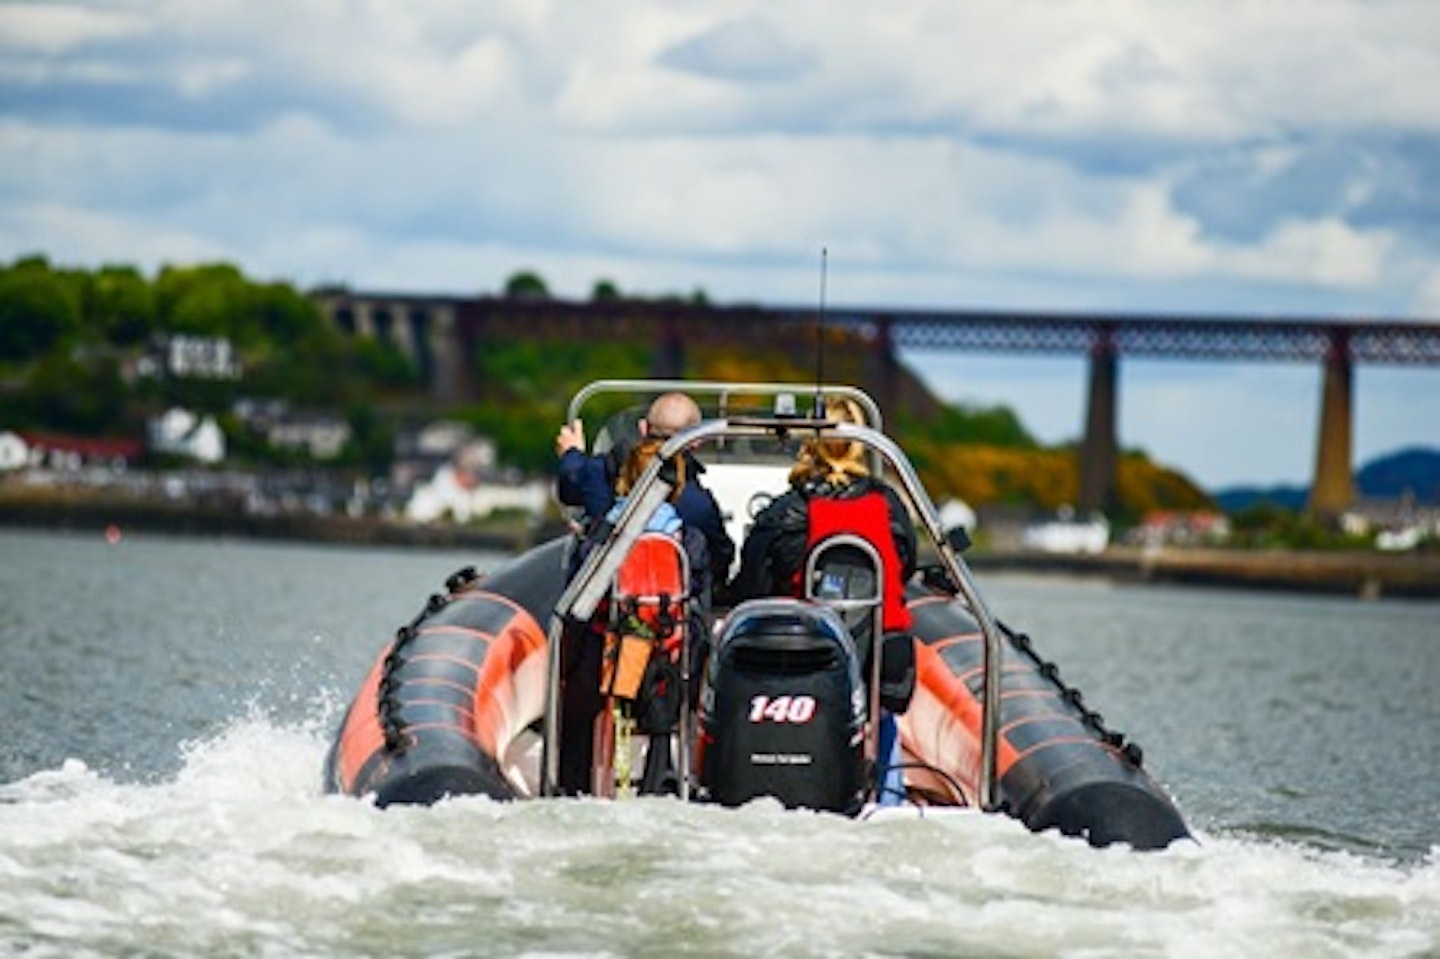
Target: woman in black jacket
(774, 551)
(832, 491)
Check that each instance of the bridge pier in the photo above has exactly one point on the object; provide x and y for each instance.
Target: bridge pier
(362, 315)
(1099, 452)
(451, 355)
(1332, 489)
(884, 367)
(669, 360)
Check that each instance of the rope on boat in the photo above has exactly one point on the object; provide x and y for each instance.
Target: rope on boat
(938, 578)
(392, 724)
(387, 704)
(461, 578)
(1131, 751)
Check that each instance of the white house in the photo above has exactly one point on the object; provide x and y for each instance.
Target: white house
(443, 438)
(191, 357)
(1066, 534)
(456, 492)
(421, 453)
(957, 512)
(14, 451)
(203, 357)
(323, 437)
(183, 433)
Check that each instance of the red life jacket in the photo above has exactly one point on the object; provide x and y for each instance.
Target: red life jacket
(653, 570)
(866, 516)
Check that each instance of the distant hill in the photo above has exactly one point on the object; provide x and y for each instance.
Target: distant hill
(1389, 477)
(1416, 470)
(1234, 499)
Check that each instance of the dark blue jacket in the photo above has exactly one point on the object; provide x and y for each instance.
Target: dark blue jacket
(589, 482)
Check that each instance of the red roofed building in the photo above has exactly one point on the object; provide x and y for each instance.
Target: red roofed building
(58, 452)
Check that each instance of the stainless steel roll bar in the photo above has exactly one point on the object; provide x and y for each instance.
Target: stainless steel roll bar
(871, 606)
(723, 391)
(583, 593)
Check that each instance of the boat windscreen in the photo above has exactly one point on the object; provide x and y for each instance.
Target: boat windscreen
(622, 429)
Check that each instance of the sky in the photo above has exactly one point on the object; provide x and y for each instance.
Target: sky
(1259, 158)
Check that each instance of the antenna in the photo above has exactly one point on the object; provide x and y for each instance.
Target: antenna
(819, 410)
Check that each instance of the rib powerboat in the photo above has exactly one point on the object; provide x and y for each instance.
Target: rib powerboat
(485, 691)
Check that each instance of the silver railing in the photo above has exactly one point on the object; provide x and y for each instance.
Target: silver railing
(871, 606)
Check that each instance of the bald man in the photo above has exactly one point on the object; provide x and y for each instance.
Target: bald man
(671, 413)
(589, 481)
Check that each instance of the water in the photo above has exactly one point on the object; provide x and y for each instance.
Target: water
(166, 703)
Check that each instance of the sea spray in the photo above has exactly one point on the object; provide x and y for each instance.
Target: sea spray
(240, 852)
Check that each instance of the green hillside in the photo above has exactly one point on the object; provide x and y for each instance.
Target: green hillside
(73, 342)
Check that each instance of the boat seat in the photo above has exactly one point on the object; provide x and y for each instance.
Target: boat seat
(843, 572)
(653, 584)
(645, 664)
(846, 573)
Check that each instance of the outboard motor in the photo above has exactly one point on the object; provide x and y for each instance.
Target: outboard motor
(783, 709)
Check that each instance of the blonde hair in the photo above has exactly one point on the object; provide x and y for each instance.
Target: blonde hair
(639, 457)
(835, 461)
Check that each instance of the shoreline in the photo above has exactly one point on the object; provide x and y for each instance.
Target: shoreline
(1365, 575)
(84, 514)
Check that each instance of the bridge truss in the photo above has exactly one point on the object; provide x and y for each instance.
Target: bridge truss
(454, 326)
(1209, 338)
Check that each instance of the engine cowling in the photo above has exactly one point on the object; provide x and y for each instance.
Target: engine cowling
(783, 709)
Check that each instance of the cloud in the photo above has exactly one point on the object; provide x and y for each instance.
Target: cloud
(1177, 157)
(1427, 298)
(50, 29)
(744, 51)
(1328, 252)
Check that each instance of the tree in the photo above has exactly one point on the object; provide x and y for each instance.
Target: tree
(383, 364)
(73, 397)
(521, 380)
(209, 300)
(38, 311)
(372, 438)
(986, 425)
(526, 285)
(283, 314)
(120, 305)
(605, 291)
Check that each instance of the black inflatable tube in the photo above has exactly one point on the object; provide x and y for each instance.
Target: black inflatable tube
(1067, 777)
(440, 765)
